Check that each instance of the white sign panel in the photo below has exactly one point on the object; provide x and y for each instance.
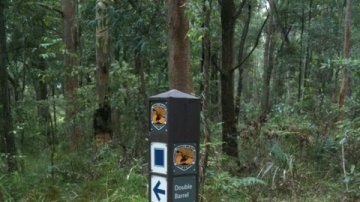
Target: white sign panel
(184, 189)
(158, 189)
(158, 155)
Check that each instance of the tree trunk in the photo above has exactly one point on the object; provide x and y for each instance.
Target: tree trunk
(205, 65)
(102, 52)
(102, 116)
(241, 52)
(345, 81)
(6, 122)
(179, 66)
(214, 80)
(71, 82)
(143, 98)
(229, 132)
(307, 56)
(268, 63)
(301, 72)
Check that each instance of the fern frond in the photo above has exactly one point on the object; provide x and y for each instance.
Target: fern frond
(248, 181)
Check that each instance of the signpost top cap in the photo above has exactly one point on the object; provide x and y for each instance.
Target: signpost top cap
(173, 94)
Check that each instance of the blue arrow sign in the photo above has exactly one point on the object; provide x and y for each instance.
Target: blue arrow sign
(158, 191)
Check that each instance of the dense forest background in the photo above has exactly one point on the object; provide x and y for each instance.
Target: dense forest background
(278, 81)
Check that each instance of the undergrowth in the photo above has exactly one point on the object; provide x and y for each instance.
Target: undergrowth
(77, 177)
(293, 157)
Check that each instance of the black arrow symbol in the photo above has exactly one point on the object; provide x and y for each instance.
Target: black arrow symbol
(158, 191)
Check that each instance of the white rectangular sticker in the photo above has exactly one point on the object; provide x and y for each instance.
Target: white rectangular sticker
(158, 153)
(158, 189)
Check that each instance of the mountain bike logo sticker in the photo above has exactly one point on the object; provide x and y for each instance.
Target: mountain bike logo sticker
(158, 116)
(184, 157)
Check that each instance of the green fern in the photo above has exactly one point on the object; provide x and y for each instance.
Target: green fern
(248, 181)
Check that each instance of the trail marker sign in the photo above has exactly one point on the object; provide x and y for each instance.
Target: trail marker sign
(158, 152)
(184, 189)
(174, 128)
(158, 189)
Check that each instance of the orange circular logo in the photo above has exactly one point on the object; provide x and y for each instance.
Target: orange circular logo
(158, 115)
(184, 157)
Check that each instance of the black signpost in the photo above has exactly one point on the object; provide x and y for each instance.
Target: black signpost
(174, 147)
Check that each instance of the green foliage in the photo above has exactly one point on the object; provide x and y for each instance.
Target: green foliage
(73, 179)
(348, 139)
(222, 186)
(301, 153)
(296, 147)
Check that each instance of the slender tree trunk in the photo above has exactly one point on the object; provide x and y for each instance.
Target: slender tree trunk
(71, 82)
(239, 90)
(205, 65)
(243, 37)
(102, 117)
(6, 121)
(180, 74)
(268, 63)
(53, 121)
(141, 118)
(41, 91)
(307, 56)
(301, 71)
(143, 98)
(214, 80)
(229, 132)
(345, 81)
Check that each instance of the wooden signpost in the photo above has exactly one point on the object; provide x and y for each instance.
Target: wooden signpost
(174, 147)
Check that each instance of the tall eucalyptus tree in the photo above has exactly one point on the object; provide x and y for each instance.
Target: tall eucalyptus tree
(230, 106)
(229, 132)
(179, 65)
